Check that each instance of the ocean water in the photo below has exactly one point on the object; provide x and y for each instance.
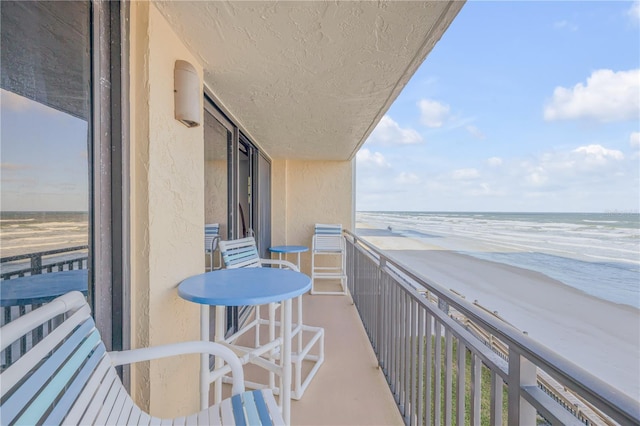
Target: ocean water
(30, 232)
(597, 253)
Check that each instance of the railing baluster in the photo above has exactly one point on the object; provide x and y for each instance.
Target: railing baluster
(521, 373)
(461, 391)
(429, 368)
(421, 361)
(448, 392)
(476, 389)
(437, 383)
(496, 399)
(406, 321)
(413, 326)
(394, 344)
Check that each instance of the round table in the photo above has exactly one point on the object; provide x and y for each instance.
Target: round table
(42, 288)
(240, 287)
(289, 249)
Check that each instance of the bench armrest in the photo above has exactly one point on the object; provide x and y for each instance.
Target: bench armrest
(183, 348)
(280, 262)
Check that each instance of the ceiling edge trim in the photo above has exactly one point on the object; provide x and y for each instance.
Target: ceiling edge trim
(452, 10)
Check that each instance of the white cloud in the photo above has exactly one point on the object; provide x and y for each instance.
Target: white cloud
(366, 158)
(607, 96)
(537, 177)
(634, 140)
(634, 12)
(475, 132)
(494, 161)
(405, 178)
(433, 113)
(588, 177)
(597, 154)
(388, 132)
(465, 174)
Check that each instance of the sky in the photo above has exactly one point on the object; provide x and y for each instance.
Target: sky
(44, 157)
(521, 106)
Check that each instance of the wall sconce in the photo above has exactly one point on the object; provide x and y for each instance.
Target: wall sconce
(187, 94)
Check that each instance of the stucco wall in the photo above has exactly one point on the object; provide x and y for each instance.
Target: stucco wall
(167, 215)
(308, 192)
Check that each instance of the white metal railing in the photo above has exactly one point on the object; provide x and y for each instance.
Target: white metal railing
(423, 351)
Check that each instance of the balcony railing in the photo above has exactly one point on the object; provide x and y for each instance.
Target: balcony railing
(12, 267)
(433, 346)
(64, 259)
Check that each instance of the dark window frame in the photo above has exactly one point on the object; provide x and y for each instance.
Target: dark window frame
(109, 292)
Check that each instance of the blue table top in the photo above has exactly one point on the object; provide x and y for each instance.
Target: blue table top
(288, 249)
(244, 286)
(41, 288)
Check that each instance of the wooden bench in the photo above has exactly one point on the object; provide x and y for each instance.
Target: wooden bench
(69, 378)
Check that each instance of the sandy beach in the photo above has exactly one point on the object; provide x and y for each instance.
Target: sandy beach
(600, 336)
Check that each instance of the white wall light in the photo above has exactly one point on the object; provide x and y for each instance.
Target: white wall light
(187, 94)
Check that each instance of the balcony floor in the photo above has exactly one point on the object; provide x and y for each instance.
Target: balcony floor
(349, 388)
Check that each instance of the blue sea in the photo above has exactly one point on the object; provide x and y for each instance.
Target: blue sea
(597, 253)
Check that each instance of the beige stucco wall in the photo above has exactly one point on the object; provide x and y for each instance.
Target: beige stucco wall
(308, 192)
(167, 216)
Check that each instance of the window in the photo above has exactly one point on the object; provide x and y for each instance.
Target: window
(64, 160)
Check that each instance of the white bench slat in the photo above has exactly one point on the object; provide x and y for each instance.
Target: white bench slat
(192, 420)
(108, 402)
(166, 422)
(226, 413)
(214, 416)
(92, 386)
(202, 418)
(95, 405)
(118, 407)
(134, 417)
(128, 406)
(179, 421)
(28, 361)
(145, 419)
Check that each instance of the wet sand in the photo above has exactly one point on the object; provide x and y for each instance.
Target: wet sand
(600, 336)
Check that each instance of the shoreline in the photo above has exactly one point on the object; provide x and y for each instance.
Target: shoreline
(601, 336)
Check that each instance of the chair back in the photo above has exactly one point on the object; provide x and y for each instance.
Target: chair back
(63, 371)
(241, 253)
(328, 238)
(211, 236)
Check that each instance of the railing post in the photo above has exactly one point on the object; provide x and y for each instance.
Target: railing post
(36, 264)
(522, 372)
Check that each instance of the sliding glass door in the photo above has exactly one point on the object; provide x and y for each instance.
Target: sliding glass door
(237, 189)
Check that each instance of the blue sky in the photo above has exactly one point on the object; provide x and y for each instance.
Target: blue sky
(521, 106)
(44, 157)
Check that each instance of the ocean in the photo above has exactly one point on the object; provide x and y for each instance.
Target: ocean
(32, 232)
(597, 253)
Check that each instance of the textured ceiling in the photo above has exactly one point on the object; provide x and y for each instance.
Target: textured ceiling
(309, 80)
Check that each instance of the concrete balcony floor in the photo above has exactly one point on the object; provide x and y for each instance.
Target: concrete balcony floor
(349, 388)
